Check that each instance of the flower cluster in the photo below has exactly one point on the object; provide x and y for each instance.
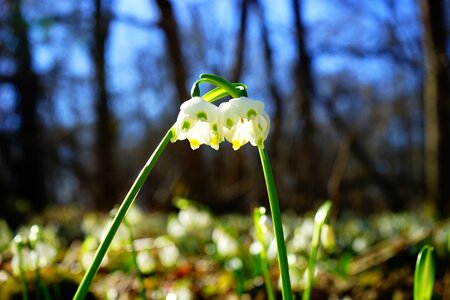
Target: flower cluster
(239, 121)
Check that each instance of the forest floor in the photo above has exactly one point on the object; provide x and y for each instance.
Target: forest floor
(192, 254)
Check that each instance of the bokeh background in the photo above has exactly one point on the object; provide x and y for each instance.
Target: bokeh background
(358, 93)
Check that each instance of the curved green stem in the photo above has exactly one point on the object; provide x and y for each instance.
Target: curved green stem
(277, 225)
(217, 81)
(83, 288)
(257, 215)
(140, 276)
(218, 92)
(23, 279)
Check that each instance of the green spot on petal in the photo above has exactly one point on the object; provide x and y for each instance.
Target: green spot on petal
(251, 113)
(202, 116)
(214, 127)
(186, 125)
(230, 123)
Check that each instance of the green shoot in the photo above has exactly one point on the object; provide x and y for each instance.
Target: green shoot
(424, 274)
(319, 220)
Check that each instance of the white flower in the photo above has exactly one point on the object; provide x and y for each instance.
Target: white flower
(227, 245)
(245, 121)
(146, 262)
(199, 122)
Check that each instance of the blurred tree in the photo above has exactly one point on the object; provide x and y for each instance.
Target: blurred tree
(236, 70)
(190, 180)
(275, 93)
(361, 58)
(308, 169)
(356, 147)
(28, 168)
(106, 125)
(436, 104)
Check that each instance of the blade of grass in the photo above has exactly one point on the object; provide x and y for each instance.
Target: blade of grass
(83, 288)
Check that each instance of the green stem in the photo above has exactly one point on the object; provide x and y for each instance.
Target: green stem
(258, 213)
(83, 288)
(23, 280)
(218, 81)
(218, 92)
(311, 264)
(41, 284)
(277, 225)
(319, 219)
(142, 292)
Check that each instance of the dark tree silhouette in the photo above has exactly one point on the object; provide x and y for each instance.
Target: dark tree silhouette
(436, 104)
(31, 171)
(106, 126)
(308, 162)
(191, 177)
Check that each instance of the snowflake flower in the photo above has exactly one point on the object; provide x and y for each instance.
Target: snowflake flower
(199, 122)
(245, 121)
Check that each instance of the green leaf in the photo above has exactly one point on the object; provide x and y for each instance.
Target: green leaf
(424, 274)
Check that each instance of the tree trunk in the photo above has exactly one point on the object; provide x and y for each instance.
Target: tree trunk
(436, 106)
(273, 89)
(106, 131)
(360, 154)
(307, 158)
(32, 176)
(191, 175)
(169, 26)
(236, 71)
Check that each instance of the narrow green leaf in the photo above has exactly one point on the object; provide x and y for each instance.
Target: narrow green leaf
(424, 273)
(319, 219)
(88, 277)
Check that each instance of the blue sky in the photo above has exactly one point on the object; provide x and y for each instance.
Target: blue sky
(128, 44)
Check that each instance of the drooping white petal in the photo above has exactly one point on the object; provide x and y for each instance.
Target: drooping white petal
(199, 109)
(200, 123)
(245, 121)
(247, 108)
(199, 134)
